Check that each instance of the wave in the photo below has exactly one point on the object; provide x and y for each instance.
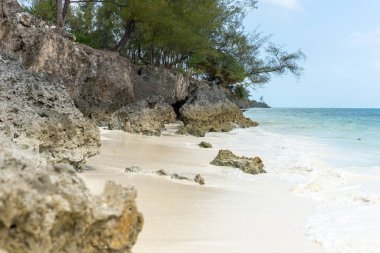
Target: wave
(347, 217)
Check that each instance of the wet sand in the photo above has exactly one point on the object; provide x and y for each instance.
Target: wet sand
(231, 213)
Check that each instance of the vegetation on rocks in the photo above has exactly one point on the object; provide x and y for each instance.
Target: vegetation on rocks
(204, 39)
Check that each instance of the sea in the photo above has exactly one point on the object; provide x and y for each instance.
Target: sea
(331, 156)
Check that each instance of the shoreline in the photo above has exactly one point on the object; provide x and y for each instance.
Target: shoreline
(231, 213)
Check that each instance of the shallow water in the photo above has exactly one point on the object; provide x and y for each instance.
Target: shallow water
(331, 156)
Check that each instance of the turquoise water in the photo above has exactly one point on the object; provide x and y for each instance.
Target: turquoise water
(351, 136)
(331, 156)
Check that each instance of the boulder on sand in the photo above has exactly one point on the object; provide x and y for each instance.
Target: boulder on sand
(245, 164)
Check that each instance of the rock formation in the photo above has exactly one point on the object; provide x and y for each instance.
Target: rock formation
(48, 209)
(37, 112)
(245, 164)
(8, 8)
(44, 206)
(103, 83)
(209, 110)
(100, 82)
(143, 117)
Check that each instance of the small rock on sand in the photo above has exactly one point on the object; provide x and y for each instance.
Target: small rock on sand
(199, 179)
(204, 144)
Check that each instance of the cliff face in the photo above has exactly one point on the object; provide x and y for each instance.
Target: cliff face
(37, 112)
(99, 82)
(105, 87)
(44, 206)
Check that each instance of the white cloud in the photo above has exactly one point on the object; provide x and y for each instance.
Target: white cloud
(288, 4)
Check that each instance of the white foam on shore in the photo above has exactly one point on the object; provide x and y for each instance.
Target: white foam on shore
(347, 217)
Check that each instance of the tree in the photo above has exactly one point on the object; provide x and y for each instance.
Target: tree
(205, 39)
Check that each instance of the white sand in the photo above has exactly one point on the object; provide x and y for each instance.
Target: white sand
(233, 213)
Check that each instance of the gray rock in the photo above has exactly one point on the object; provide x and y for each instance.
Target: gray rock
(100, 82)
(8, 8)
(204, 144)
(132, 169)
(209, 110)
(199, 179)
(37, 113)
(45, 210)
(25, 19)
(145, 117)
(245, 164)
(161, 172)
(179, 177)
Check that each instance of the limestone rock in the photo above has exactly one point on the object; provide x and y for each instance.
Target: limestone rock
(9, 8)
(161, 172)
(100, 82)
(45, 209)
(37, 112)
(25, 19)
(178, 177)
(132, 169)
(204, 144)
(209, 110)
(199, 179)
(145, 117)
(245, 164)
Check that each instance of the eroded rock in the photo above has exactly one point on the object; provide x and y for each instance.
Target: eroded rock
(145, 117)
(245, 164)
(199, 179)
(132, 169)
(46, 209)
(209, 110)
(100, 82)
(37, 112)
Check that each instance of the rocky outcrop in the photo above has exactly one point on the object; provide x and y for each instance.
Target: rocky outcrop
(8, 8)
(38, 113)
(245, 164)
(209, 110)
(145, 117)
(100, 82)
(48, 209)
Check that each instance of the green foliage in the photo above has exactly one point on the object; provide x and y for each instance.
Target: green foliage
(44, 9)
(241, 92)
(202, 38)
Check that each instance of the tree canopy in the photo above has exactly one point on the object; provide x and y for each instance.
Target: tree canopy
(202, 38)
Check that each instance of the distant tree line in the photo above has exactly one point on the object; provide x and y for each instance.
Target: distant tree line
(202, 38)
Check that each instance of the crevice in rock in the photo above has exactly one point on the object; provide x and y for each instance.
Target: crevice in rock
(177, 106)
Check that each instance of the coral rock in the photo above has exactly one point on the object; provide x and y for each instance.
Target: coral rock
(245, 164)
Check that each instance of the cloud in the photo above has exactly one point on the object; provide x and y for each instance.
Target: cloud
(287, 4)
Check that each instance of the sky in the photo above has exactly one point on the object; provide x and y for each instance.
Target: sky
(341, 39)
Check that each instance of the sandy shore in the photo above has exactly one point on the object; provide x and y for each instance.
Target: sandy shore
(232, 213)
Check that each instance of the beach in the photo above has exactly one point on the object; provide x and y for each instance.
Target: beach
(232, 212)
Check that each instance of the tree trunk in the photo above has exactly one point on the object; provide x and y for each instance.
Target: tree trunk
(128, 30)
(58, 13)
(65, 10)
